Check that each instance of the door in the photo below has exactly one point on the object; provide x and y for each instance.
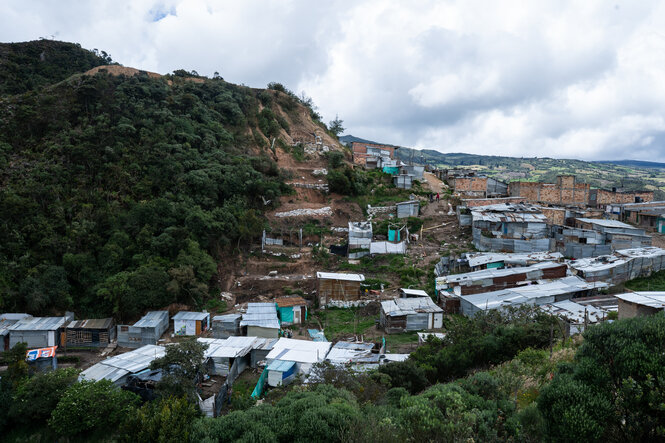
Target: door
(438, 321)
(296, 315)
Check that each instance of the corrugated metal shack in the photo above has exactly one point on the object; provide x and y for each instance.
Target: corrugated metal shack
(403, 181)
(224, 326)
(147, 331)
(409, 293)
(260, 350)
(580, 243)
(489, 280)
(417, 172)
(360, 356)
(301, 352)
(6, 321)
(410, 208)
(223, 353)
(338, 289)
(291, 310)
(639, 304)
(410, 314)
(537, 294)
(260, 320)
(510, 228)
(190, 323)
(360, 239)
(118, 367)
(37, 332)
(623, 265)
(576, 316)
(618, 234)
(488, 260)
(98, 332)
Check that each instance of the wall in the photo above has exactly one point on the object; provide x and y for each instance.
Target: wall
(329, 290)
(555, 216)
(605, 197)
(474, 202)
(566, 191)
(470, 186)
(630, 310)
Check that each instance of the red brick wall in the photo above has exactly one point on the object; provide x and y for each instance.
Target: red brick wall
(608, 197)
(564, 192)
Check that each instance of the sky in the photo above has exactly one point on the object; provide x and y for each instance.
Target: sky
(565, 79)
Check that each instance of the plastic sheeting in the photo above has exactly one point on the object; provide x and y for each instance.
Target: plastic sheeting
(384, 247)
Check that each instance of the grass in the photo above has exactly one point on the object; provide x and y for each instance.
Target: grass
(338, 321)
(655, 282)
(394, 342)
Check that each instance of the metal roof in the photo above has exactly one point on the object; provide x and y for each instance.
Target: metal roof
(8, 320)
(186, 315)
(650, 251)
(339, 276)
(227, 317)
(131, 362)
(93, 323)
(408, 306)
(414, 292)
(518, 213)
(14, 316)
(301, 351)
(280, 365)
(650, 299)
(231, 347)
(345, 352)
(606, 223)
(493, 273)
(260, 314)
(152, 319)
(39, 324)
(574, 312)
(482, 258)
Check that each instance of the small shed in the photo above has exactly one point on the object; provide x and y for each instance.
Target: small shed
(223, 353)
(361, 356)
(410, 208)
(260, 320)
(190, 323)
(291, 310)
(6, 321)
(119, 367)
(224, 326)
(412, 293)
(334, 288)
(639, 304)
(303, 352)
(410, 314)
(281, 373)
(91, 333)
(37, 332)
(147, 331)
(403, 181)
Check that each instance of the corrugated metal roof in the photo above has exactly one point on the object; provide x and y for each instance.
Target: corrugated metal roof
(517, 213)
(345, 352)
(227, 317)
(606, 223)
(339, 276)
(116, 367)
(187, 315)
(493, 273)
(152, 319)
(39, 324)
(650, 299)
(260, 314)
(482, 258)
(284, 302)
(408, 306)
(574, 312)
(280, 365)
(93, 323)
(414, 292)
(301, 351)
(231, 347)
(13, 316)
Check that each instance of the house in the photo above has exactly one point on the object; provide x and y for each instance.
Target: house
(224, 354)
(566, 191)
(338, 289)
(493, 260)
(417, 172)
(190, 323)
(601, 198)
(224, 326)
(409, 208)
(575, 316)
(403, 181)
(411, 293)
(119, 367)
(410, 314)
(489, 280)
(372, 155)
(289, 357)
(6, 321)
(147, 331)
(360, 356)
(37, 332)
(618, 234)
(639, 304)
(91, 333)
(291, 310)
(510, 228)
(535, 294)
(623, 265)
(260, 320)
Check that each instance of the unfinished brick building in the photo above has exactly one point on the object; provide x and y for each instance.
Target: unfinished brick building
(362, 152)
(469, 186)
(600, 198)
(566, 191)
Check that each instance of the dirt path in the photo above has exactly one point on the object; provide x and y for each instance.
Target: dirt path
(434, 183)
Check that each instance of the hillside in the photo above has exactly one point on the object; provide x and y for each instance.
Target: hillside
(127, 192)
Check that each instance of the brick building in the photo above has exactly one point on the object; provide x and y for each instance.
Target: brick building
(566, 191)
(600, 198)
(367, 154)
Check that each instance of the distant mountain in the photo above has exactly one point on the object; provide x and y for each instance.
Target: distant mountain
(348, 139)
(634, 163)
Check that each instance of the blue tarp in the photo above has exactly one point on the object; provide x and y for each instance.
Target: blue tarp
(392, 233)
(393, 170)
(316, 335)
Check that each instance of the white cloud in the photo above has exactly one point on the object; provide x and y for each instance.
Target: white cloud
(564, 79)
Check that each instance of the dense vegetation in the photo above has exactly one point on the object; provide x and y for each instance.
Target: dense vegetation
(120, 194)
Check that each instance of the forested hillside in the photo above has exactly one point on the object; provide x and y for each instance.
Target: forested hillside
(121, 193)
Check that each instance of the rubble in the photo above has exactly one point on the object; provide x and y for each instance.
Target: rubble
(327, 210)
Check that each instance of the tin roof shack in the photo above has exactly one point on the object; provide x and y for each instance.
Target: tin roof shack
(537, 294)
(360, 238)
(490, 280)
(417, 172)
(190, 323)
(119, 367)
(580, 243)
(291, 310)
(37, 332)
(260, 350)
(412, 293)
(618, 235)
(510, 228)
(6, 321)
(410, 208)
(410, 314)
(91, 333)
(338, 289)
(566, 191)
(147, 331)
(646, 215)
(623, 265)
(223, 353)
(300, 352)
(43, 359)
(576, 317)
(403, 181)
(639, 304)
(360, 356)
(260, 320)
(224, 326)
(490, 260)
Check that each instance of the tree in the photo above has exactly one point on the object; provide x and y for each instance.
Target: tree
(92, 409)
(335, 126)
(167, 420)
(182, 364)
(37, 397)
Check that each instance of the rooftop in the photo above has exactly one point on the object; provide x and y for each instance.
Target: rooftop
(339, 276)
(575, 312)
(186, 315)
(301, 351)
(494, 273)
(284, 302)
(414, 292)
(517, 213)
(131, 362)
(152, 319)
(260, 314)
(39, 324)
(408, 306)
(93, 323)
(345, 352)
(650, 299)
(606, 223)
(482, 258)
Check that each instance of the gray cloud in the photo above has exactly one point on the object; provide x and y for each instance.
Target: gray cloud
(564, 79)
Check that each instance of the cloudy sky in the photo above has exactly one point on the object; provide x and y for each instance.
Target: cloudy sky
(583, 79)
